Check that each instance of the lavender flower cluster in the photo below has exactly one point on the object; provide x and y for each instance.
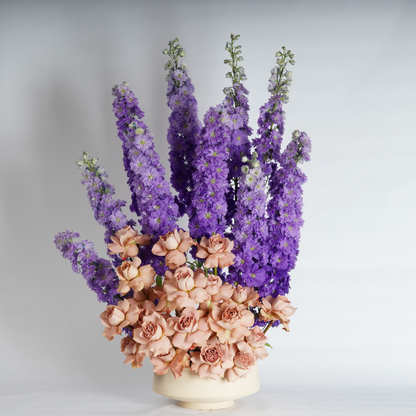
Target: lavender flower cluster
(246, 190)
(99, 274)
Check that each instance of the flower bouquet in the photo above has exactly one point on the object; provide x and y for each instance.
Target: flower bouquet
(202, 298)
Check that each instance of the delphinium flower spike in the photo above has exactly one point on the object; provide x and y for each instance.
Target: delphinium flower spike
(107, 211)
(99, 274)
(285, 207)
(271, 121)
(184, 125)
(152, 200)
(235, 120)
(250, 229)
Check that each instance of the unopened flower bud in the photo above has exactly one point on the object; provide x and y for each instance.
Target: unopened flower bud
(244, 159)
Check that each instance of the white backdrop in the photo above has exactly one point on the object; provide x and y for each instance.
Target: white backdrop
(353, 93)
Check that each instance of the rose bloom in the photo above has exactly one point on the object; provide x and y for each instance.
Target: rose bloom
(191, 328)
(153, 334)
(185, 287)
(133, 276)
(175, 360)
(246, 296)
(216, 251)
(173, 245)
(230, 321)
(217, 290)
(115, 318)
(273, 309)
(212, 360)
(257, 340)
(244, 360)
(130, 349)
(125, 242)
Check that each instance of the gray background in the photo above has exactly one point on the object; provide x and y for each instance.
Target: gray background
(352, 340)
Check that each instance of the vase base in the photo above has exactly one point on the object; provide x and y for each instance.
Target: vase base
(206, 406)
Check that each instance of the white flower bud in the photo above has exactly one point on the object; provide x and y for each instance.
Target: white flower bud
(244, 159)
(244, 169)
(256, 164)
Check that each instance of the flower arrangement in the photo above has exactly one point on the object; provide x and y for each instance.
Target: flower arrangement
(202, 298)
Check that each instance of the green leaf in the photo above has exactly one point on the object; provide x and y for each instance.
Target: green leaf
(268, 345)
(159, 280)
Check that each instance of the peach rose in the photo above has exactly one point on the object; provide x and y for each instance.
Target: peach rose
(246, 296)
(133, 276)
(217, 290)
(230, 321)
(191, 328)
(185, 287)
(216, 251)
(244, 360)
(213, 359)
(173, 245)
(125, 242)
(175, 360)
(153, 334)
(130, 349)
(257, 340)
(273, 309)
(115, 318)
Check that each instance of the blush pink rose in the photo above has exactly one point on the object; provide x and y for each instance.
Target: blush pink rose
(115, 318)
(173, 245)
(216, 251)
(191, 328)
(230, 321)
(175, 360)
(185, 287)
(273, 309)
(130, 349)
(217, 290)
(257, 340)
(134, 276)
(126, 242)
(213, 359)
(246, 296)
(244, 361)
(153, 334)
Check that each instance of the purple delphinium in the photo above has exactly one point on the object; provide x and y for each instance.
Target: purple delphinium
(152, 200)
(209, 204)
(235, 120)
(99, 274)
(107, 211)
(250, 229)
(272, 117)
(285, 213)
(184, 126)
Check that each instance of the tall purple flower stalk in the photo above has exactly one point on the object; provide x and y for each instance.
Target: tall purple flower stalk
(107, 210)
(250, 229)
(235, 119)
(99, 274)
(184, 126)
(152, 200)
(209, 203)
(272, 117)
(285, 207)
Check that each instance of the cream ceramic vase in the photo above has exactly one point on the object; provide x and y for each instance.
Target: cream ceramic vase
(194, 392)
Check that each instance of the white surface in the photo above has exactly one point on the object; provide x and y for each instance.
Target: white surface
(352, 340)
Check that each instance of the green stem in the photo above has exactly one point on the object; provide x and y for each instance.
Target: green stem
(268, 326)
(215, 271)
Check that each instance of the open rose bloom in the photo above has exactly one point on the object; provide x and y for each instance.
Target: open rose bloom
(190, 317)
